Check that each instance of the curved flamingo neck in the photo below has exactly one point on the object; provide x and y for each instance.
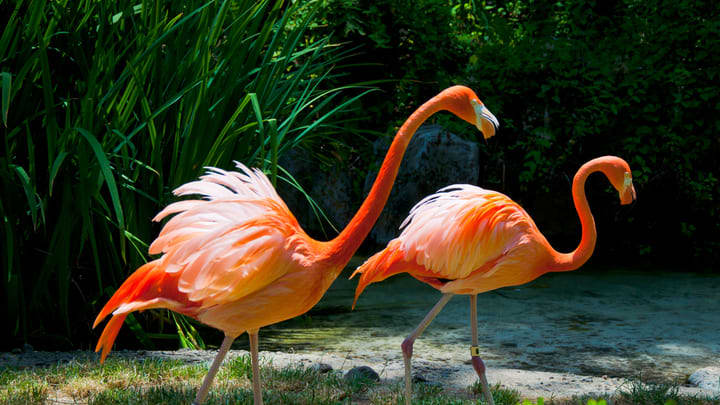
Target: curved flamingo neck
(578, 257)
(340, 250)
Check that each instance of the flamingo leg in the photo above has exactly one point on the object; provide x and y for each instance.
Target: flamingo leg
(477, 362)
(205, 387)
(407, 344)
(257, 388)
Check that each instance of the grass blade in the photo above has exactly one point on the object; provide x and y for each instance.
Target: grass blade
(106, 170)
(6, 91)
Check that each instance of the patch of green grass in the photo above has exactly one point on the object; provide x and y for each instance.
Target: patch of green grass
(156, 381)
(638, 392)
(435, 394)
(641, 393)
(501, 395)
(24, 392)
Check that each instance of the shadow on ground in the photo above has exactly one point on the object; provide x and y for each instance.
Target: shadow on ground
(659, 326)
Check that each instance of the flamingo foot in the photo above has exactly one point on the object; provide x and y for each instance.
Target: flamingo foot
(478, 365)
(407, 347)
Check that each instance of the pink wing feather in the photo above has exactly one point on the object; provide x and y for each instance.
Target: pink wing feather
(232, 243)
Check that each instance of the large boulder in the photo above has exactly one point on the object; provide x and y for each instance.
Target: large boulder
(435, 158)
(707, 378)
(330, 188)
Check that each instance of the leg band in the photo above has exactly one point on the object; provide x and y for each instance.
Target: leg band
(474, 351)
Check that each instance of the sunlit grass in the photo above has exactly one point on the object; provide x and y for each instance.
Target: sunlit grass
(156, 381)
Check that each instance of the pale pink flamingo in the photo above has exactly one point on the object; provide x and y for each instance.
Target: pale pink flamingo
(466, 240)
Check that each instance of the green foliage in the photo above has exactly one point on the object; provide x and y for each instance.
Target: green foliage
(501, 395)
(641, 393)
(579, 80)
(571, 81)
(107, 106)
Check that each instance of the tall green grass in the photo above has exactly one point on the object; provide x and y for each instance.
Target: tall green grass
(107, 106)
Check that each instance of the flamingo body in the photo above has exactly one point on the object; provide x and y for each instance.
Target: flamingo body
(462, 240)
(236, 260)
(467, 240)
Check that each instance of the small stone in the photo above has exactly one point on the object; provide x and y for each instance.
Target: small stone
(707, 378)
(419, 378)
(16, 350)
(321, 368)
(27, 348)
(363, 373)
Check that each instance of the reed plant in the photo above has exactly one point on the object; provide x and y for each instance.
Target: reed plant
(108, 105)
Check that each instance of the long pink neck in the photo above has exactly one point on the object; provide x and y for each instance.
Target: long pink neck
(578, 257)
(340, 250)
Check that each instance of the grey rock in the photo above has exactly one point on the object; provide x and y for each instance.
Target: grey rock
(435, 158)
(299, 165)
(331, 190)
(361, 372)
(27, 348)
(321, 368)
(16, 350)
(707, 378)
(334, 192)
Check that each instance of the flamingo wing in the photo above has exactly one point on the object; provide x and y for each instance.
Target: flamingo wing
(237, 240)
(458, 231)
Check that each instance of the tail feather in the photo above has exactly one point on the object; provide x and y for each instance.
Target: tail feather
(109, 334)
(127, 290)
(148, 287)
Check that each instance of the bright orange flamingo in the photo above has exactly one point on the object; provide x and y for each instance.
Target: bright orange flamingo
(237, 259)
(466, 240)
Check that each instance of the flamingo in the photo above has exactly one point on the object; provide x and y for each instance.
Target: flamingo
(238, 260)
(467, 240)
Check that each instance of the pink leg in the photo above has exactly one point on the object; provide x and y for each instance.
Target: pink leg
(477, 362)
(205, 387)
(257, 389)
(407, 344)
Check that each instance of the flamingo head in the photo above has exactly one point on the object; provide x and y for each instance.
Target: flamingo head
(465, 104)
(620, 176)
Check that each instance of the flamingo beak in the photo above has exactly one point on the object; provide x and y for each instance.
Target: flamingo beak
(628, 194)
(485, 121)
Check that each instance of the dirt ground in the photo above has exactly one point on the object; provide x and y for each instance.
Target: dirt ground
(561, 335)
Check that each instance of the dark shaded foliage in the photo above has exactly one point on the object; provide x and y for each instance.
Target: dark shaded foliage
(571, 81)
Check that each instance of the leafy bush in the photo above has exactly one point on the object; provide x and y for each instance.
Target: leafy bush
(107, 106)
(571, 81)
